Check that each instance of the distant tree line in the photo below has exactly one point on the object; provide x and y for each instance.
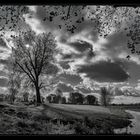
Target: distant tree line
(58, 98)
(74, 98)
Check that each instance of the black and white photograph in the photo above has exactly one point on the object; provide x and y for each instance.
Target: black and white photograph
(69, 70)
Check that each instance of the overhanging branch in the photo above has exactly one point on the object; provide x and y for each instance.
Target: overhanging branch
(25, 71)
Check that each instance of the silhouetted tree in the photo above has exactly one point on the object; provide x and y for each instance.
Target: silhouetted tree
(58, 99)
(106, 96)
(26, 96)
(90, 99)
(34, 56)
(59, 92)
(51, 98)
(48, 98)
(63, 100)
(59, 95)
(42, 99)
(76, 98)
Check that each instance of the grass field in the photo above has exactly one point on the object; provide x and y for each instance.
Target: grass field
(60, 119)
(128, 107)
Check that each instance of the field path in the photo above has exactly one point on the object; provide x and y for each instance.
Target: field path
(135, 122)
(135, 129)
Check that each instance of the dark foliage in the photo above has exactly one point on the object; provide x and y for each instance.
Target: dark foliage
(76, 98)
(90, 100)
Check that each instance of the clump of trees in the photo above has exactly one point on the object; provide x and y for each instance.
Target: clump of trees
(76, 98)
(50, 98)
(57, 97)
(91, 100)
(53, 98)
(79, 98)
(106, 96)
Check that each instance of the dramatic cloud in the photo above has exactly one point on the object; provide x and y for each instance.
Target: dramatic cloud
(134, 71)
(4, 54)
(67, 56)
(3, 81)
(64, 64)
(105, 71)
(65, 88)
(2, 43)
(3, 73)
(81, 45)
(5, 62)
(53, 17)
(138, 87)
(3, 90)
(87, 60)
(4, 50)
(70, 79)
(84, 90)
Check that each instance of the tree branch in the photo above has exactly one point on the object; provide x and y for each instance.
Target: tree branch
(30, 71)
(31, 62)
(68, 14)
(25, 71)
(41, 64)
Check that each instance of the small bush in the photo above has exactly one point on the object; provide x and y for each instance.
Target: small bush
(60, 128)
(41, 118)
(22, 124)
(23, 115)
(81, 128)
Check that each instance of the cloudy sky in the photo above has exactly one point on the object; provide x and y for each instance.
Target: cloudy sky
(93, 44)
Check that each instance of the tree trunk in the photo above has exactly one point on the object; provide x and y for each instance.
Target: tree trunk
(38, 95)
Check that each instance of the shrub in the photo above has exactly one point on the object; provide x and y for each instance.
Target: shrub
(81, 128)
(22, 124)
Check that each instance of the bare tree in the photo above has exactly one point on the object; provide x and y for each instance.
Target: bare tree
(34, 57)
(106, 96)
